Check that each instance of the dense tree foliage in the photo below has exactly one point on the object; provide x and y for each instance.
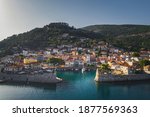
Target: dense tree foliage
(135, 54)
(56, 61)
(50, 35)
(129, 37)
(104, 68)
(144, 63)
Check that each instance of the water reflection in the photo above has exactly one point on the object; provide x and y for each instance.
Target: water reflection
(103, 91)
(135, 90)
(45, 87)
(76, 86)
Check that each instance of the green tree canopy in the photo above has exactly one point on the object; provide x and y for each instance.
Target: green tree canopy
(56, 61)
(104, 68)
(135, 54)
(144, 63)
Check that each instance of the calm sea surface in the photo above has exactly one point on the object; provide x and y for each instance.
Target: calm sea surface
(76, 86)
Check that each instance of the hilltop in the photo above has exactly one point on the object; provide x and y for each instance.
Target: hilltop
(50, 35)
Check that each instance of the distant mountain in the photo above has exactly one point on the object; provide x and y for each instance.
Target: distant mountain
(129, 37)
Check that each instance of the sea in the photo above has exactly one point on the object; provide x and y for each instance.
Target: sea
(76, 86)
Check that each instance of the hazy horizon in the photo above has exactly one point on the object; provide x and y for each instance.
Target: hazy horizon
(18, 16)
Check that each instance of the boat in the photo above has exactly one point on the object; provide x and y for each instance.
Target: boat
(49, 70)
(2, 81)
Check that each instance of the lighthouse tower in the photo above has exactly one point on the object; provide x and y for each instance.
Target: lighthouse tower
(97, 76)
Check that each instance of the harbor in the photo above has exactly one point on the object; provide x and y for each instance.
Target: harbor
(76, 86)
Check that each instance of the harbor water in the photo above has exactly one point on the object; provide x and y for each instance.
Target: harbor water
(76, 86)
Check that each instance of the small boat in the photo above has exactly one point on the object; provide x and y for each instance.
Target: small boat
(2, 81)
(76, 69)
(49, 70)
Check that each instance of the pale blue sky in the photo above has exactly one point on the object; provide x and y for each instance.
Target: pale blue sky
(17, 16)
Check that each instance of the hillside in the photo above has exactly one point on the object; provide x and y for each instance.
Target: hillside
(50, 35)
(129, 37)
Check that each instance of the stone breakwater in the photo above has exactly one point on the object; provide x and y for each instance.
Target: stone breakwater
(45, 78)
(114, 78)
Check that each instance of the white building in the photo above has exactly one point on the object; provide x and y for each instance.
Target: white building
(47, 52)
(88, 58)
(135, 58)
(69, 63)
(25, 53)
(55, 51)
(75, 63)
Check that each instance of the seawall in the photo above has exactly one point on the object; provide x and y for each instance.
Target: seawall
(45, 78)
(115, 78)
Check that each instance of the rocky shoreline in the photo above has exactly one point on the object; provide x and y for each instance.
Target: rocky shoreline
(45, 78)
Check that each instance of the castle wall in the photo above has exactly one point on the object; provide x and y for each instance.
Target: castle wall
(37, 78)
(132, 77)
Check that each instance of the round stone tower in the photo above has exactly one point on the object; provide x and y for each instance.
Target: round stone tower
(97, 76)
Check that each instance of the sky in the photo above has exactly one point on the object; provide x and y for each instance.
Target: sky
(18, 16)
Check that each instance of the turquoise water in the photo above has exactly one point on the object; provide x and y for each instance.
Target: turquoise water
(76, 86)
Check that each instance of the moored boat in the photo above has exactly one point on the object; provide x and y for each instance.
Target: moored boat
(2, 81)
